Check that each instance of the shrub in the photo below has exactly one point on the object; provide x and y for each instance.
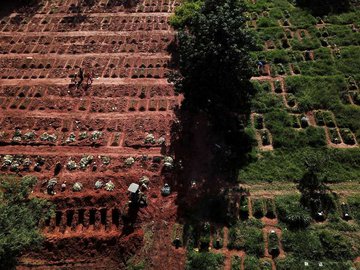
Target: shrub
(354, 204)
(252, 263)
(347, 136)
(303, 244)
(258, 208)
(270, 208)
(205, 236)
(265, 264)
(297, 263)
(247, 236)
(336, 246)
(288, 165)
(19, 218)
(323, 7)
(218, 238)
(204, 260)
(266, 22)
(273, 244)
(266, 101)
(185, 13)
(316, 93)
(302, 19)
(235, 263)
(279, 123)
(291, 212)
(244, 208)
(214, 63)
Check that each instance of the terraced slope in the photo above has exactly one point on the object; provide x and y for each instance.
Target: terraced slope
(117, 130)
(306, 108)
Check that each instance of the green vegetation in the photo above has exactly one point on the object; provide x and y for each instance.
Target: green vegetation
(19, 218)
(258, 208)
(292, 263)
(354, 203)
(315, 195)
(288, 165)
(136, 266)
(291, 212)
(214, 65)
(273, 244)
(252, 262)
(185, 13)
(306, 106)
(235, 263)
(247, 235)
(326, 60)
(204, 260)
(317, 244)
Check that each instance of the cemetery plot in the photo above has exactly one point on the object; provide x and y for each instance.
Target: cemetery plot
(88, 141)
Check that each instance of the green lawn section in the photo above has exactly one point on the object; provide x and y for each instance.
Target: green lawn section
(322, 83)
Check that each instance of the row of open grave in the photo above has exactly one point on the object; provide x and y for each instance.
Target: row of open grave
(80, 220)
(99, 63)
(134, 139)
(108, 6)
(313, 31)
(130, 67)
(83, 23)
(277, 85)
(133, 73)
(322, 118)
(142, 91)
(52, 163)
(350, 95)
(124, 43)
(106, 219)
(91, 105)
(132, 132)
(87, 124)
(244, 208)
(68, 7)
(299, 62)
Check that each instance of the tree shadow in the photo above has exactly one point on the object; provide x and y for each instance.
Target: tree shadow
(210, 147)
(324, 7)
(128, 4)
(207, 164)
(24, 7)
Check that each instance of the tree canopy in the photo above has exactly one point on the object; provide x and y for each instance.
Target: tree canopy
(19, 218)
(314, 191)
(322, 7)
(213, 59)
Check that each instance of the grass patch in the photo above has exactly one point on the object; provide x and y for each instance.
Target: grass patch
(204, 260)
(291, 212)
(247, 236)
(288, 165)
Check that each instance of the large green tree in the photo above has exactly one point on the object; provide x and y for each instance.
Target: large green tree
(315, 194)
(213, 58)
(322, 7)
(19, 218)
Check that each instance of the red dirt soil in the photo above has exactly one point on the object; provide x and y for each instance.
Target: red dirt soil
(126, 49)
